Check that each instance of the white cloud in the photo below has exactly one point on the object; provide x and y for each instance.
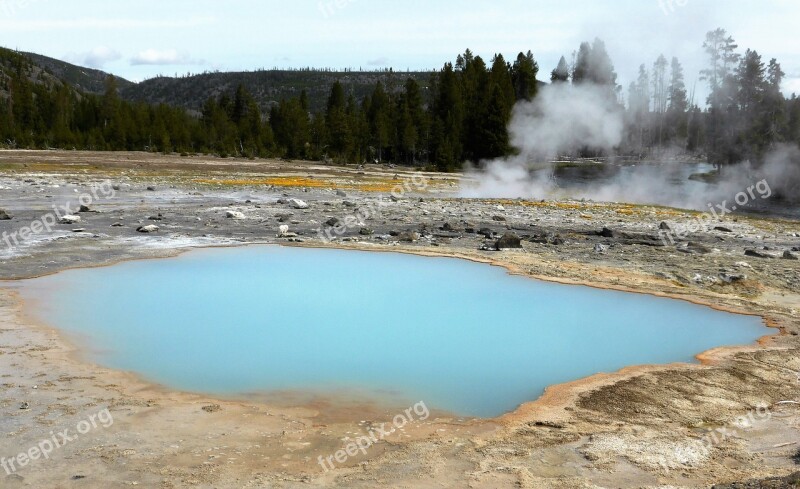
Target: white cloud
(382, 61)
(163, 57)
(16, 25)
(96, 58)
(791, 85)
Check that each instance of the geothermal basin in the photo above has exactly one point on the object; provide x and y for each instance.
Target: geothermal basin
(463, 337)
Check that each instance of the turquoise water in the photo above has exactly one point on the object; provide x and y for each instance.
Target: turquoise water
(463, 337)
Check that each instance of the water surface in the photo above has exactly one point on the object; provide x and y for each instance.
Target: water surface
(463, 337)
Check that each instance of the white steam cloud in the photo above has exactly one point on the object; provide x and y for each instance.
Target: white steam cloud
(565, 119)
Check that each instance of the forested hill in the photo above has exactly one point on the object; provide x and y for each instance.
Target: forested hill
(267, 87)
(82, 79)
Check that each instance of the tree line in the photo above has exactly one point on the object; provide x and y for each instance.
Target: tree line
(462, 115)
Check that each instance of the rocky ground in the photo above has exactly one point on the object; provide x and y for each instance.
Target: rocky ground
(642, 427)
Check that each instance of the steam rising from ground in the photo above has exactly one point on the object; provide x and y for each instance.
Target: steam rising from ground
(566, 118)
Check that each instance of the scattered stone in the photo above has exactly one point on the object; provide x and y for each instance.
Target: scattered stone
(408, 237)
(664, 227)
(4, 215)
(393, 198)
(213, 408)
(117, 225)
(695, 248)
(150, 228)
(607, 233)
(366, 232)
(151, 189)
(722, 229)
(448, 227)
(508, 241)
(25, 406)
(84, 209)
(498, 219)
(234, 215)
(341, 193)
(332, 222)
(79, 230)
(732, 278)
(600, 248)
(788, 255)
(796, 248)
(756, 254)
(70, 219)
(486, 232)
(297, 204)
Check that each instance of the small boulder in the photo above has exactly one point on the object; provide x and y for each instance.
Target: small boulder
(788, 255)
(722, 229)
(408, 237)
(607, 233)
(498, 219)
(508, 241)
(298, 204)
(366, 232)
(151, 189)
(600, 248)
(332, 222)
(341, 193)
(664, 226)
(234, 215)
(70, 219)
(150, 228)
(84, 209)
(4, 215)
(756, 254)
(729, 278)
(486, 232)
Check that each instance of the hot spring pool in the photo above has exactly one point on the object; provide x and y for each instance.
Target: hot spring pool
(462, 337)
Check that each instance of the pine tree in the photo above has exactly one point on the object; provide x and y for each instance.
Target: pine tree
(561, 73)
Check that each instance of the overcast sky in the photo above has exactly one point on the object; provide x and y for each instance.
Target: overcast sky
(143, 38)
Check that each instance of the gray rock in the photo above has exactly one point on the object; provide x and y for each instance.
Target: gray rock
(600, 248)
(332, 222)
(297, 204)
(664, 227)
(234, 215)
(508, 241)
(408, 237)
(757, 254)
(366, 232)
(84, 209)
(498, 219)
(150, 228)
(732, 278)
(606, 233)
(341, 193)
(70, 219)
(486, 232)
(4, 215)
(722, 229)
(788, 255)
